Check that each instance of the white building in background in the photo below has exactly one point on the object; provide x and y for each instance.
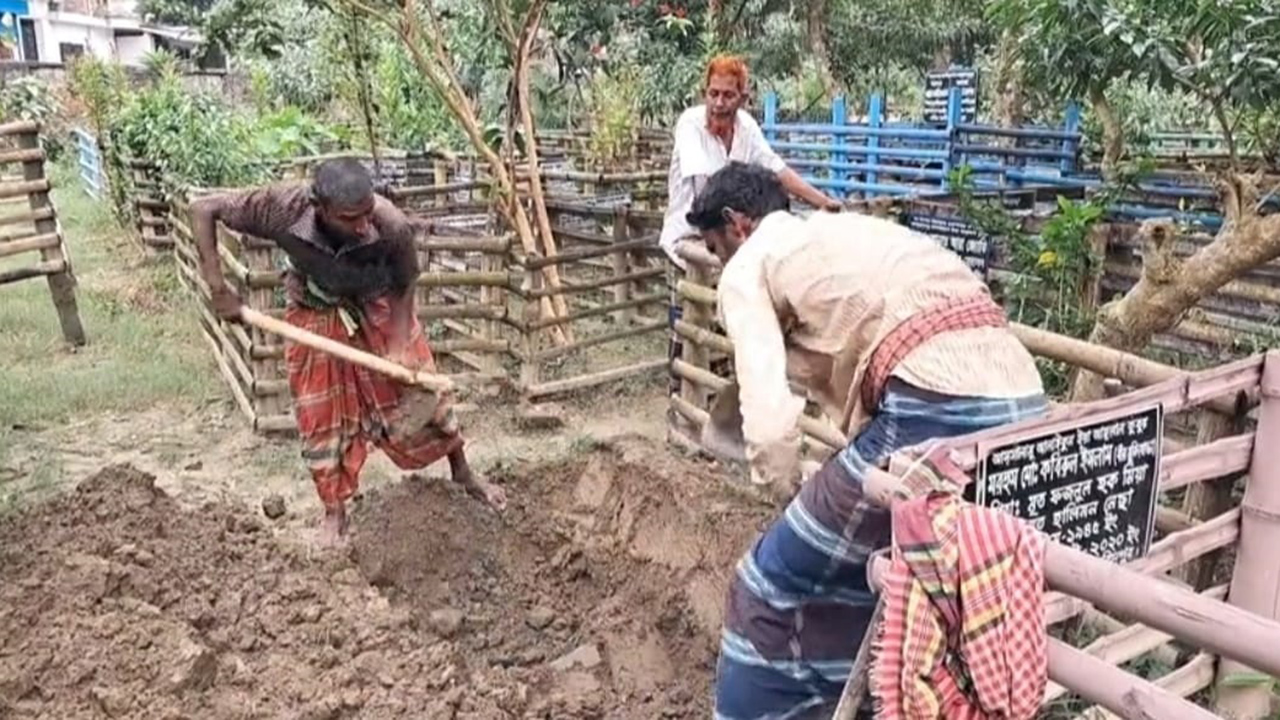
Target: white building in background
(58, 31)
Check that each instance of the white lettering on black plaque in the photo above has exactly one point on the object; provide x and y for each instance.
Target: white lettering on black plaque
(937, 91)
(1091, 487)
(957, 235)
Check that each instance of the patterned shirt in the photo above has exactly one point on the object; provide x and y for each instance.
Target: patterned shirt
(385, 262)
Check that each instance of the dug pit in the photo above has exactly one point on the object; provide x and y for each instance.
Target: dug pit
(597, 594)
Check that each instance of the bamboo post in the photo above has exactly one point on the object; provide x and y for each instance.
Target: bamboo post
(62, 284)
(530, 373)
(261, 300)
(1206, 500)
(1255, 581)
(441, 179)
(496, 297)
(621, 264)
(695, 354)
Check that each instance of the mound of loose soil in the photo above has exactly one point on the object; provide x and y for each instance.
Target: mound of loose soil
(598, 594)
(600, 589)
(116, 602)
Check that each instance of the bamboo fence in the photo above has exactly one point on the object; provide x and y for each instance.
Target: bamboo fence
(29, 225)
(1199, 524)
(1240, 318)
(614, 283)
(150, 206)
(479, 295)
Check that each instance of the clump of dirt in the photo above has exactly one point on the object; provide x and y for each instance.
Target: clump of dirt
(599, 592)
(597, 595)
(119, 603)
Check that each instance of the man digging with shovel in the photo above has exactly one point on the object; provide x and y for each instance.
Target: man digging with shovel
(351, 273)
(900, 343)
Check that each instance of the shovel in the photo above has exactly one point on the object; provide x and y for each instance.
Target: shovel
(418, 408)
(722, 434)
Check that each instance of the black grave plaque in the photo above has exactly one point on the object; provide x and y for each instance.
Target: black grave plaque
(1091, 487)
(956, 234)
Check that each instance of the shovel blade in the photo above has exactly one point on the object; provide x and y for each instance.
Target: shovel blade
(722, 435)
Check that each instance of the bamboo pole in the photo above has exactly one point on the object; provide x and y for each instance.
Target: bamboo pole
(1223, 457)
(704, 337)
(582, 287)
(604, 309)
(242, 400)
(430, 381)
(532, 262)
(29, 216)
(460, 311)
(19, 127)
(27, 244)
(622, 265)
(464, 244)
(1207, 499)
(1131, 369)
(22, 155)
(465, 279)
(696, 293)
(560, 350)
(1255, 581)
(592, 379)
(1165, 555)
(1127, 644)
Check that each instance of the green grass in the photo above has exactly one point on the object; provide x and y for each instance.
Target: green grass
(144, 347)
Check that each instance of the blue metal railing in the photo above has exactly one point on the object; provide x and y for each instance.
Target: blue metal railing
(92, 176)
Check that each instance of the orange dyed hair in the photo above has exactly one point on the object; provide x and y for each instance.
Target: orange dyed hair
(730, 65)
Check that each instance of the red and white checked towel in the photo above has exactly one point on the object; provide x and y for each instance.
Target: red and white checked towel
(964, 635)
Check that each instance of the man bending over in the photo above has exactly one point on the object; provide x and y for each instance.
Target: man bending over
(351, 273)
(900, 343)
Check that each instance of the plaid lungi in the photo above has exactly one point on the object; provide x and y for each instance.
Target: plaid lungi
(342, 407)
(799, 604)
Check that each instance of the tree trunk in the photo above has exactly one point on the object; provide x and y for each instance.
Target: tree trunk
(431, 55)
(1008, 86)
(1170, 286)
(816, 19)
(1112, 132)
(525, 106)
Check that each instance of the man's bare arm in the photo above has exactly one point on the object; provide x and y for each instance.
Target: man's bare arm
(205, 214)
(797, 186)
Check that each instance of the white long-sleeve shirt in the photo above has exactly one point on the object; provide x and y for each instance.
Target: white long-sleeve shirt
(698, 153)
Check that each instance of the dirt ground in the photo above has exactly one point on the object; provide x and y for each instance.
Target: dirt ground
(596, 595)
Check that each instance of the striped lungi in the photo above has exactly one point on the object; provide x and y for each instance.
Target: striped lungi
(799, 603)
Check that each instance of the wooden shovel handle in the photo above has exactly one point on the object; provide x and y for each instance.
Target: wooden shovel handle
(430, 381)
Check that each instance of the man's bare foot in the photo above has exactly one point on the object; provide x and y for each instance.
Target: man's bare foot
(333, 528)
(480, 489)
(483, 490)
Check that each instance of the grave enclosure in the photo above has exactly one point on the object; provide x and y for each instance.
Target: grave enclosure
(479, 294)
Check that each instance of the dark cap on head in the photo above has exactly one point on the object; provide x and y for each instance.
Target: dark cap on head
(749, 189)
(341, 182)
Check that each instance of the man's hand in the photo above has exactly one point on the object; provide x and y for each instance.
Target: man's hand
(398, 353)
(832, 205)
(226, 303)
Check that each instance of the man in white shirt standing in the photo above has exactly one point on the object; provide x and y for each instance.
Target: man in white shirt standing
(707, 137)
